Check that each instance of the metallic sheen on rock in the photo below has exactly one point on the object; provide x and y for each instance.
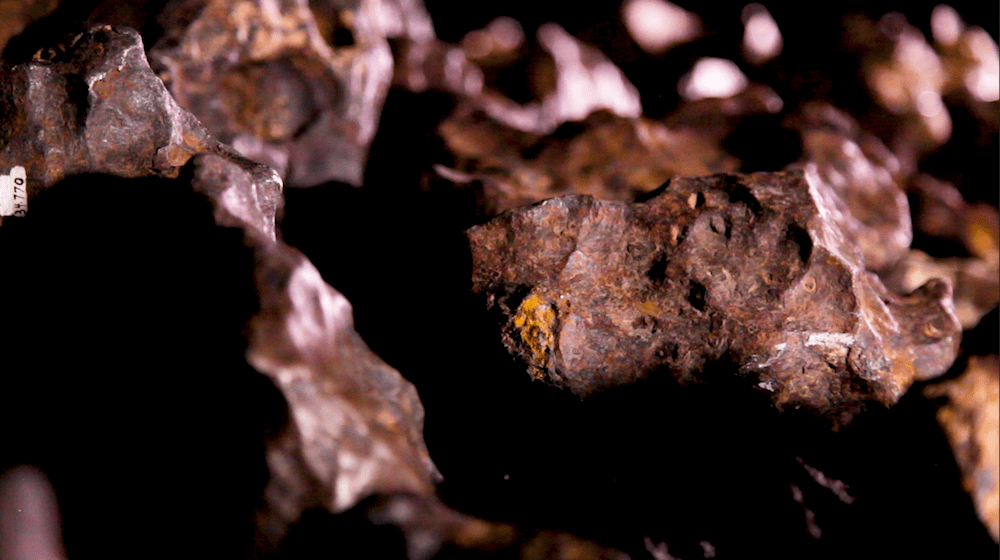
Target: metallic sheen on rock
(355, 425)
(745, 272)
(94, 106)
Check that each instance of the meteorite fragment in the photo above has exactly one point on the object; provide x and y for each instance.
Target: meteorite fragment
(354, 424)
(604, 155)
(857, 172)
(745, 271)
(971, 420)
(572, 80)
(94, 106)
(296, 89)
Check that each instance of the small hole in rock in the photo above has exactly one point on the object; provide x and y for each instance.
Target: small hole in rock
(696, 297)
(800, 238)
(343, 37)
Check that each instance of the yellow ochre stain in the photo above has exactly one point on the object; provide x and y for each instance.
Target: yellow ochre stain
(649, 307)
(534, 321)
(983, 242)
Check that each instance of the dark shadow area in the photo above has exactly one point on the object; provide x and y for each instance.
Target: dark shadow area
(982, 340)
(678, 464)
(349, 535)
(70, 18)
(124, 377)
(909, 500)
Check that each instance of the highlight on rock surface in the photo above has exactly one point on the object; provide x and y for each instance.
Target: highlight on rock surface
(748, 271)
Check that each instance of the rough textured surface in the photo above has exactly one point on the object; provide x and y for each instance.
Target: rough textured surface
(856, 171)
(971, 419)
(94, 106)
(296, 89)
(606, 156)
(124, 377)
(749, 270)
(355, 426)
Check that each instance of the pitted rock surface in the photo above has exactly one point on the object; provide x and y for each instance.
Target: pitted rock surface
(743, 270)
(297, 89)
(94, 106)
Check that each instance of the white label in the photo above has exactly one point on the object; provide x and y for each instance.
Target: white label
(14, 193)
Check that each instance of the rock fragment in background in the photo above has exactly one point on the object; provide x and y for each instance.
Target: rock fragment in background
(971, 60)
(299, 91)
(422, 61)
(431, 529)
(976, 282)
(657, 25)
(94, 106)
(605, 156)
(436, 65)
(580, 133)
(971, 420)
(906, 77)
(716, 118)
(570, 80)
(762, 39)
(746, 272)
(18, 14)
(941, 212)
(948, 223)
(855, 173)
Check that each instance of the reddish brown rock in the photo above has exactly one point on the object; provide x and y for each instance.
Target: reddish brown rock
(904, 76)
(743, 270)
(422, 61)
(948, 223)
(605, 156)
(716, 118)
(976, 282)
(971, 420)
(970, 57)
(855, 173)
(436, 65)
(297, 90)
(942, 212)
(569, 79)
